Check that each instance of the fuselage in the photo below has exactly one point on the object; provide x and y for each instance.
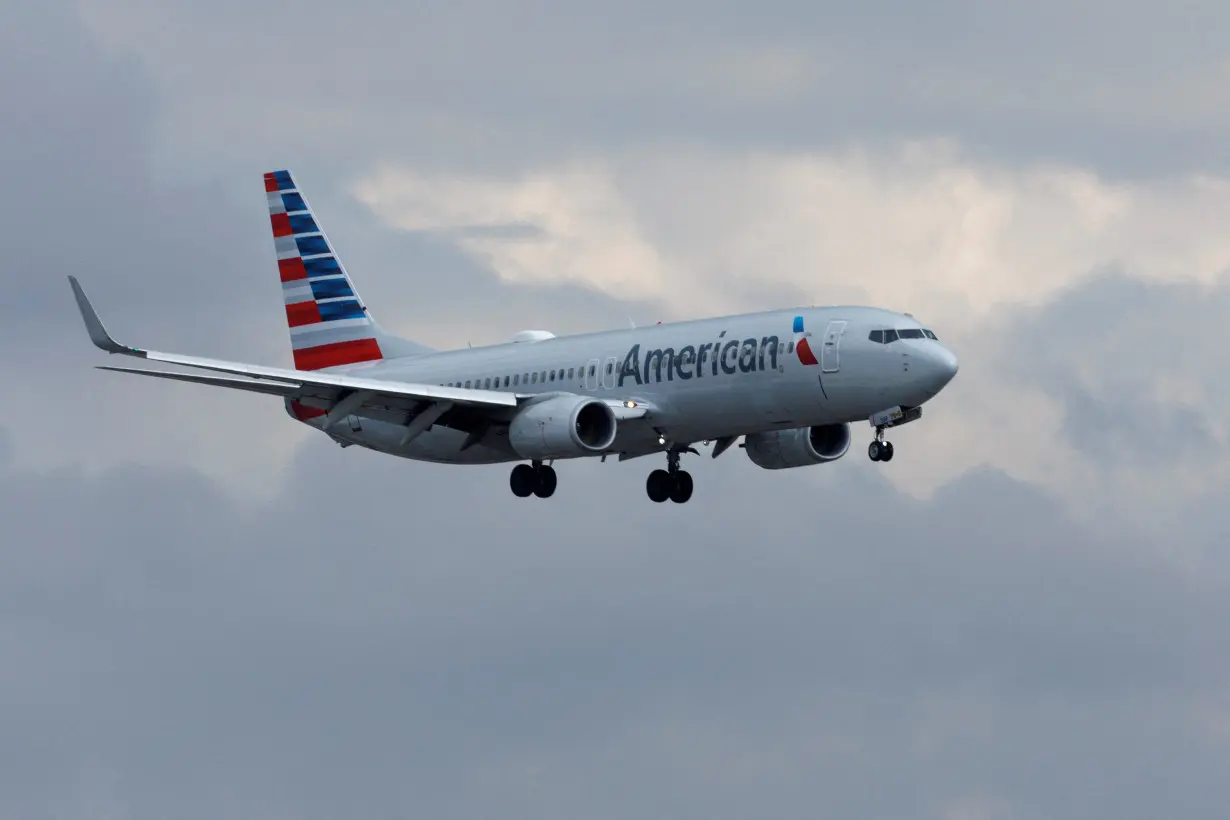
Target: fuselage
(702, 380)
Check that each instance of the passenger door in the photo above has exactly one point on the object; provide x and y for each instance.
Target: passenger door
(830, 354)
(608, 372)
(591, 374)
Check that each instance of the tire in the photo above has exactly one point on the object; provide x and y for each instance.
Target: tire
(682, 489)
(523, 480)
(658, 486)
(546, 483)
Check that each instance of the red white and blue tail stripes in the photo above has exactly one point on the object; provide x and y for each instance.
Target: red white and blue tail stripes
(329, 325)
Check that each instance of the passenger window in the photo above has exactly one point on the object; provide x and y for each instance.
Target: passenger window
(535, 379)
(591, 370)
(570, 372)
(467, 382)
(890, 336)
(543, 375)
(790, 347)
(609, 367)
(877, 336)
(552, 375)
(516, 380)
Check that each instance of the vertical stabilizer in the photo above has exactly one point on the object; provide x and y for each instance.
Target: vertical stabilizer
(329, 324)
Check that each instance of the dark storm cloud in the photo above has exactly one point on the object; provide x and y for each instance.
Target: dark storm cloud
(359, 645)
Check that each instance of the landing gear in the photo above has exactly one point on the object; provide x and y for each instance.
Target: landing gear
(536, 479)
(880, 450)
(672, 483)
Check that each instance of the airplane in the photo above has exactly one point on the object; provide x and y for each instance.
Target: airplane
(788, 382)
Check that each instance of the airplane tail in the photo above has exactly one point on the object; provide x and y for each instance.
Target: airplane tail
(329, 324)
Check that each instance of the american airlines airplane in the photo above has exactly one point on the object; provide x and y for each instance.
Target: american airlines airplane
(789, 382)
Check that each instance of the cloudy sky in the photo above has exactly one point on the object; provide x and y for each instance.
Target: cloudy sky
(205, 611)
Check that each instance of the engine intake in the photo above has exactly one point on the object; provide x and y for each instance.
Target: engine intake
(563, 427)
(800, 447)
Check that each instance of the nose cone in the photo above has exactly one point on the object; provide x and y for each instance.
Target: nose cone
(941, 368)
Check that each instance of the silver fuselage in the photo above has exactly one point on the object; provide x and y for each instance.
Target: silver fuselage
(703, 379)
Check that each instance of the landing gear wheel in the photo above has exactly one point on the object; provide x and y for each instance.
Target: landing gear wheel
(523, 480)
(658, 486)
(886, 451)
(682, 489)
(875, 451)
(546, 482)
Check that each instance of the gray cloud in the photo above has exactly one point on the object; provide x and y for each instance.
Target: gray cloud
(381, 638)
(471, 85)
(1106, 346)
(339, 651)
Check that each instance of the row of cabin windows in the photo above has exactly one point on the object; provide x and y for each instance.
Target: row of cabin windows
(516, 380)
(888, 336)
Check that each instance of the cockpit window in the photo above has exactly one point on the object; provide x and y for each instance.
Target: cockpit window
(890, 335)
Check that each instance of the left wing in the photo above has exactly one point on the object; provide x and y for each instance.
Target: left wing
(334, 395)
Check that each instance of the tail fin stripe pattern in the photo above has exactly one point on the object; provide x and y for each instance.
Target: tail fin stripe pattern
(302, 223)
(312, 245)
(331, 289)
(292, 270)
(329, 326)
(293, 202)
(331, 355)
(322, 267)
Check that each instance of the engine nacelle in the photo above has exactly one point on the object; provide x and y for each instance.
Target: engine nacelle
(800, 447)
(563, 427)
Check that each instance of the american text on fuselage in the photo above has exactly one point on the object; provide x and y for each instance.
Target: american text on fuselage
(789, 394)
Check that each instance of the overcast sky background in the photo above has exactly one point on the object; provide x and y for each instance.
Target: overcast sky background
(206, 611)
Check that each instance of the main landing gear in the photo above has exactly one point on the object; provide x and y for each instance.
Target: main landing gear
(671, 483)
(880, 450)
(533, 479)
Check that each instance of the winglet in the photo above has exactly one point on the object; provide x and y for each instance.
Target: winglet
(94, 325)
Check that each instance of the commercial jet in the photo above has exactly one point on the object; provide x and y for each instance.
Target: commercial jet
(788, 382)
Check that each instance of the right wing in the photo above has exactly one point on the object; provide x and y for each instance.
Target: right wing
(334, 395)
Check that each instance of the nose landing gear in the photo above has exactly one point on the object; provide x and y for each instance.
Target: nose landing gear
(533, 479)
(672, 483)
(880, 450)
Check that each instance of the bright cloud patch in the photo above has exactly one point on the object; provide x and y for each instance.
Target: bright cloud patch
(920, 228)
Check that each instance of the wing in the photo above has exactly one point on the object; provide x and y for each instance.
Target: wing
(333, 395)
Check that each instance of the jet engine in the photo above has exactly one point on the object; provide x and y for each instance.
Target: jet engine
(563, 427)
(800, 447)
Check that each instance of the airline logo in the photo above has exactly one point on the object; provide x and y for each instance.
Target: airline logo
(328, 324)
(801, 347)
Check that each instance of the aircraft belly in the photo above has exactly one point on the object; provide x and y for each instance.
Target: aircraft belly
(438, 444)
